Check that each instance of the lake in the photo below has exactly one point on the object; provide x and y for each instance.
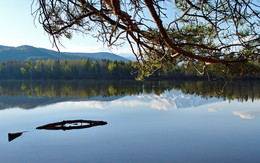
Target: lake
(152, 121)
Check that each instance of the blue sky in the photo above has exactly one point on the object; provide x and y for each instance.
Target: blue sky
(18, 28)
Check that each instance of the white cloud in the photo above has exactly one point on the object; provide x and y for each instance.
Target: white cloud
(154, 104)
(84, 104)
(161, 105)
(249, 114)
(90, 104)
(130, 103)
(214, 109)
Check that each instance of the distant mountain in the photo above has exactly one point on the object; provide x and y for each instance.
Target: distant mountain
(99, 56)
(30, 53)
(131, 58)
(3, 47)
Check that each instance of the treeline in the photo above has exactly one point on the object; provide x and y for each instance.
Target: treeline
(101, 69)
(65, 69)
(84, 69)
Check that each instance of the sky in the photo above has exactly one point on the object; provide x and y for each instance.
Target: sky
(19, 28)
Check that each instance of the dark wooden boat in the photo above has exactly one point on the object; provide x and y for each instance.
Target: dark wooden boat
(72, 124)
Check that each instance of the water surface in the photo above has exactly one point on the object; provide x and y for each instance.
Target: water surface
(169, 121)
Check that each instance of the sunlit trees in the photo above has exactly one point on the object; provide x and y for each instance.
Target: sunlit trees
(163, 32)
(66, 69)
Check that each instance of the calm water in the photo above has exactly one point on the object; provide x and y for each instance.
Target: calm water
(181, 121)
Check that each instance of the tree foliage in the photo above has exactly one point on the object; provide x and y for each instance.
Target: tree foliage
(220, 32)
(66, 69)
(104, 69)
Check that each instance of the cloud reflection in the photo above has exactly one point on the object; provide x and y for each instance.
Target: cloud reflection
(214, 109)
(91, 104)
(249, 114)
(154, 104)
(166, 101)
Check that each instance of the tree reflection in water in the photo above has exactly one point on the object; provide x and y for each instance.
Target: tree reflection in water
(242, 90)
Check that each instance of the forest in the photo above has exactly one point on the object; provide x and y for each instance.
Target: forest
(101, 69)
(65, 69)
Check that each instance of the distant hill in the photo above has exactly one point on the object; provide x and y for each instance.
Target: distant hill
(4, 47)
(30, 53)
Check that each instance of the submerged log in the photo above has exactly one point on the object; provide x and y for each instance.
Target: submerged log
(12, 136)
(72, 124)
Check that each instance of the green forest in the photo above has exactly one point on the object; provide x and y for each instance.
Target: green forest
(65, 69)
(101, 69)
